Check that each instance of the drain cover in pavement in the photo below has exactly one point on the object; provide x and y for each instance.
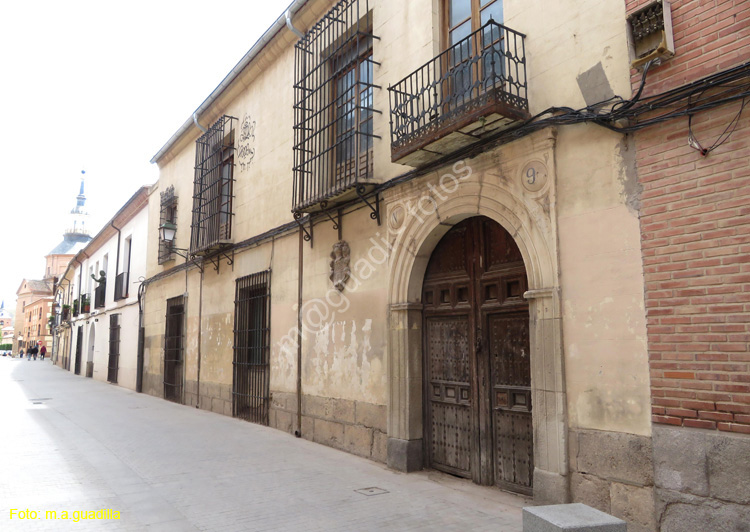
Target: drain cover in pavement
(369, 492)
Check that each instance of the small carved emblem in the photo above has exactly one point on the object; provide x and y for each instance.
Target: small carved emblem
(340, 265)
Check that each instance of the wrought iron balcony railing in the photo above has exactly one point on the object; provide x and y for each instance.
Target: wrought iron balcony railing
(100, 294)
(121, 286)
(478, 85)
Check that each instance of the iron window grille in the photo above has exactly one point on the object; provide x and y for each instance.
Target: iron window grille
(213, 187)
(334, 106)
(486, 68)
(174, 349)
(121, 285)
(252, 342)
(167, 213)
(114, 347)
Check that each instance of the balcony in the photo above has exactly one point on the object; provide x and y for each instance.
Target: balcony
(76, 304)
(100, 293)
(473, 89)
(85, 304)
(121, 286)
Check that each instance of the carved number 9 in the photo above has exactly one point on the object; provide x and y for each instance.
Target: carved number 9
(531, 175)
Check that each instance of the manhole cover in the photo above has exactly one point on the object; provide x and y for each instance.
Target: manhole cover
(369, 492)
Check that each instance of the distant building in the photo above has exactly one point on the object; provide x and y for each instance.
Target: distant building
(6, 325)
(33, 308)
(35, 297)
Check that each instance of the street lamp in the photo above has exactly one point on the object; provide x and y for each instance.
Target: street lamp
(167, 232)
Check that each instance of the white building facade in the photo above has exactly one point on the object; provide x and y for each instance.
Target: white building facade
(98, 297)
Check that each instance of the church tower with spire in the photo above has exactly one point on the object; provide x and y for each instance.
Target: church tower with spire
(79, 215)
(75, 237)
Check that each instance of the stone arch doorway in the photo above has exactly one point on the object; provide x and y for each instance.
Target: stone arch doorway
(90, 353)
(476, 358)
(416, 222)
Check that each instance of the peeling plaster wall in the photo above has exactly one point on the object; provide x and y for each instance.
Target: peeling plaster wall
(604, 326)
(344, 358)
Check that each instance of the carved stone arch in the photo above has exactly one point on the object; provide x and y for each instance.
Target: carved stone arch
(418, 216)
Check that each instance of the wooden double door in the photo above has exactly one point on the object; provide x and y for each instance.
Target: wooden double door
(477, 371)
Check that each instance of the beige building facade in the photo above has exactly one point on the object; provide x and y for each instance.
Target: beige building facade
(396, 274)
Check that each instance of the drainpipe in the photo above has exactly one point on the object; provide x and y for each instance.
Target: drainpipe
(298, 432)
(195, 119)
(288, 17)
(141, 340)
(70, 344)
(200, 327)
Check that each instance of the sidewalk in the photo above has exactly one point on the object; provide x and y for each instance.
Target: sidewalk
(74, 444)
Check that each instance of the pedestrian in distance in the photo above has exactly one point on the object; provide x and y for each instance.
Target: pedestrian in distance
(20, 354)
(28, 353)
(35, 351)
(43, 351)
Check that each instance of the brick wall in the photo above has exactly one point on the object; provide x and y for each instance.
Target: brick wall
(695, 224)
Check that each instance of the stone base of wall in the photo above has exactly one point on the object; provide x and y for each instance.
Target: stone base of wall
(613, 472)
(702, 479)
(352, 426)
(213, 396)
(153, 384)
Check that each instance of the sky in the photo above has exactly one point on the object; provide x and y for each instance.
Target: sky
(100, 87)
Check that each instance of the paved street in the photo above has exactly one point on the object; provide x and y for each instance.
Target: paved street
(73, 444)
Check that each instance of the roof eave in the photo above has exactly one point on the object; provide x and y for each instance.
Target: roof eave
(267, 36)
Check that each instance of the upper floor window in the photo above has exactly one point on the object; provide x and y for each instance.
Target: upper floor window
(167, 214)
(123, 278)
(352, 101)
(334, 89)
(463, 17)
(213, 187)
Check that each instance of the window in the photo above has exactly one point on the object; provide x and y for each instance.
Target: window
(167, 214)
(174, 349)
(352, 101)
(212, 187)
(122, 280)
(114, 347)
(334, 106)
(463, 18)
(250, 387)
